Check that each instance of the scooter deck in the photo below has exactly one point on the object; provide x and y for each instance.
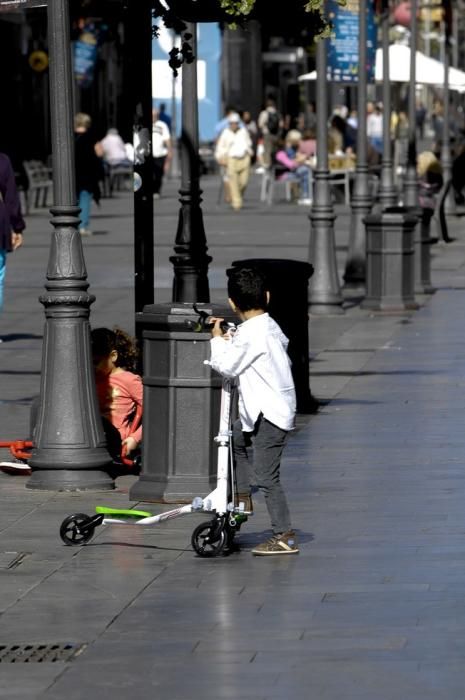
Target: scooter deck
(122, 512)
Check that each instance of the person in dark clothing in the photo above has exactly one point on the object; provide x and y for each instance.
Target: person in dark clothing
(11, 221)
(458, 176)
(89, 168)
(345, 135)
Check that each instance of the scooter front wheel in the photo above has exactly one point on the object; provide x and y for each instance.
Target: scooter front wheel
(208, 539)
(73, 530)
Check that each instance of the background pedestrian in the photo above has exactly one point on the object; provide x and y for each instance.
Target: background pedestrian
(161, 152)
(233, 152)
(11, 221)
(89, 168)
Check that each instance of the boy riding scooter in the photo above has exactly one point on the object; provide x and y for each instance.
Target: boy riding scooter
(257, 356)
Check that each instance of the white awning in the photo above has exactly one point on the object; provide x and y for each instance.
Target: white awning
(429, 71)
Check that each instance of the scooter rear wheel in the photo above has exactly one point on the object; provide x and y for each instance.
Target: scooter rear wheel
(71, 532)
(208, 539)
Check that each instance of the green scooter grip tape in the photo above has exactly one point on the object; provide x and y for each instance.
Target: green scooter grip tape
(122, 512)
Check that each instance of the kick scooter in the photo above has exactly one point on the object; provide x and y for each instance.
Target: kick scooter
(209, 539)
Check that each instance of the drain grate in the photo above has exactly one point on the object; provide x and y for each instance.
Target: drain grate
(39, 653)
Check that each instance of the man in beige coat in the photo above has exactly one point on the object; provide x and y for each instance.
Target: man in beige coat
(233, 152)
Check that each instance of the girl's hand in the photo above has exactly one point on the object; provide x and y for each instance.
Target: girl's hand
(130, 444)
(16, 240)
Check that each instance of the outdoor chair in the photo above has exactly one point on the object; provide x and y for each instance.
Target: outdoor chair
(39, 186)
(118, 177)
(271, 177)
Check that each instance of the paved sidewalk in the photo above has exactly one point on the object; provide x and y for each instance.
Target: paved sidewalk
(372, 608)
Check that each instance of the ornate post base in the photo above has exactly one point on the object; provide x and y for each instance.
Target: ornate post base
(69, 444)
(355, 271)
(324, 290)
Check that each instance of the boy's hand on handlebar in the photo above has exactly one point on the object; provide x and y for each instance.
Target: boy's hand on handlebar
(216, 331)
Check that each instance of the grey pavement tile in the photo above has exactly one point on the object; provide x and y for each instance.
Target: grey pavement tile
(27, 681)
(385, 679)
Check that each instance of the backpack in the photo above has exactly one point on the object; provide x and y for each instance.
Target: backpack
(272, 122)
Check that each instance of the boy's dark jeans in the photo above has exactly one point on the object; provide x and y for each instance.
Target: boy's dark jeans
(268, 443)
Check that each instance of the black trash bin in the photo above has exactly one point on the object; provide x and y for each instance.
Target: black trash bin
(288, 287)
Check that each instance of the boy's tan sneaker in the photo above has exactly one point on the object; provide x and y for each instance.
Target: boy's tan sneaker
(286, 543)
(246, 499)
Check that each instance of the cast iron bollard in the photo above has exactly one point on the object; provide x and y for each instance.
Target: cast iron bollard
(288, 287)
(423, 242)
(181, 404)
(390, 260)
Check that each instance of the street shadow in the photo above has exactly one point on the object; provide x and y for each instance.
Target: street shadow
(26, 401)
(351, 301)
(137, 546)
(365, 373)
(11, 337)
(106, 216)
(361, 402)
(20, 372)
(250, 539)
(318, 358)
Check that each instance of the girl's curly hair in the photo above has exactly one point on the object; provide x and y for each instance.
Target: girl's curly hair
(104, 341)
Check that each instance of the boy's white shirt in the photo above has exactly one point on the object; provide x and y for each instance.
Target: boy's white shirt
(257, 356)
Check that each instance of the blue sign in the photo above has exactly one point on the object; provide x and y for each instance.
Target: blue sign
(343, 65)
(85, 52)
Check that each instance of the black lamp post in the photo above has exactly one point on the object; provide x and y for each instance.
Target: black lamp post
(69, 445)
(181, 394)
(190, 261)
(138, 61)
(324, 292)
(446, 158)
(411, 178)
(355, 270)
(387, 190)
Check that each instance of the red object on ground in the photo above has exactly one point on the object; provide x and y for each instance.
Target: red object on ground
(20, 449)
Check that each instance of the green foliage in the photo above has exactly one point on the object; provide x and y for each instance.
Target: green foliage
(245, 7)
(238, 11)
(237, 7)
(242, 8)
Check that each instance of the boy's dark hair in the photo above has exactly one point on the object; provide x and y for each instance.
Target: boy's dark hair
(104, 341)
(247, 288)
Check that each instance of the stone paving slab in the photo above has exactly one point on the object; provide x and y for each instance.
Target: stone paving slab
(372, 608)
